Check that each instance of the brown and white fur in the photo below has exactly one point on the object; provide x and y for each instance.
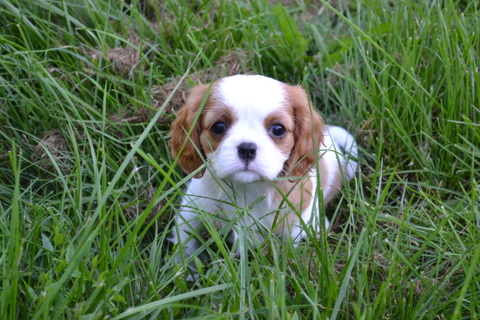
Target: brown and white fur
(256, 143)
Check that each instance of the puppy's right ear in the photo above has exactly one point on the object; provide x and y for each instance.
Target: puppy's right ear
(186, 129)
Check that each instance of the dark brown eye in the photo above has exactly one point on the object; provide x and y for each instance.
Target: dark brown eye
(277, 130)
(219, 127)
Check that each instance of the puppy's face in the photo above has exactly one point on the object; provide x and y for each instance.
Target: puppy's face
(250, 128)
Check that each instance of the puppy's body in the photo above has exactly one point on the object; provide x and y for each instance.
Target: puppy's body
(260, 140)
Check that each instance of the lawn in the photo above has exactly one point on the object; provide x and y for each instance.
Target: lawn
(88, 186)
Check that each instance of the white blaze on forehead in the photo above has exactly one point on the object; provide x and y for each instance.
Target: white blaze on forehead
(251, 95)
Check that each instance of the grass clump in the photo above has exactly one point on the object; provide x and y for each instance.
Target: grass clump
(88, 186)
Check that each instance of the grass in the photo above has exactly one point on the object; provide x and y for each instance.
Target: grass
(88, 186)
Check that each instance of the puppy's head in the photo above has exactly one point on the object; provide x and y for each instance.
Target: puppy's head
(250, 128)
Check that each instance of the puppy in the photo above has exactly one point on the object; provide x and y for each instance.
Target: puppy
(254, 145)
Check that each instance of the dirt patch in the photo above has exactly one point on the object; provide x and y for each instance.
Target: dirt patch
(123, 59)
(145, 197)
(52, 152)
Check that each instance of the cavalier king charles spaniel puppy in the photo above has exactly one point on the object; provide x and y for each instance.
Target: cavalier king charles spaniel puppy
(261, 159)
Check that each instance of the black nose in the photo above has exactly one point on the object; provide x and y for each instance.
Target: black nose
(247, 151)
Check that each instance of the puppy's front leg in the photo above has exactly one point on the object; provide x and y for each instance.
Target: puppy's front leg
(298, 232)
(249, 239)
(187, 225)
(233, 239)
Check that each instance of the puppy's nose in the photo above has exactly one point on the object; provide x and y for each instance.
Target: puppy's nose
(247, 151)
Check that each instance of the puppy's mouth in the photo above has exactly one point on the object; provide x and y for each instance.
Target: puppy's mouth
(246, 175)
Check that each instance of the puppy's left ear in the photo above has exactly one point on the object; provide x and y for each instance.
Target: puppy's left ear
(308, 133)
(186, 130)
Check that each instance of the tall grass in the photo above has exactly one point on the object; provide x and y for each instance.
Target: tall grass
(88, 186)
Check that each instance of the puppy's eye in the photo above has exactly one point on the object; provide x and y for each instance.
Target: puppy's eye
(219, 127)
(277, 130)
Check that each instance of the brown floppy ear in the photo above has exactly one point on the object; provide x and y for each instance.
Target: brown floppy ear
(308, 133)
(185, 139)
